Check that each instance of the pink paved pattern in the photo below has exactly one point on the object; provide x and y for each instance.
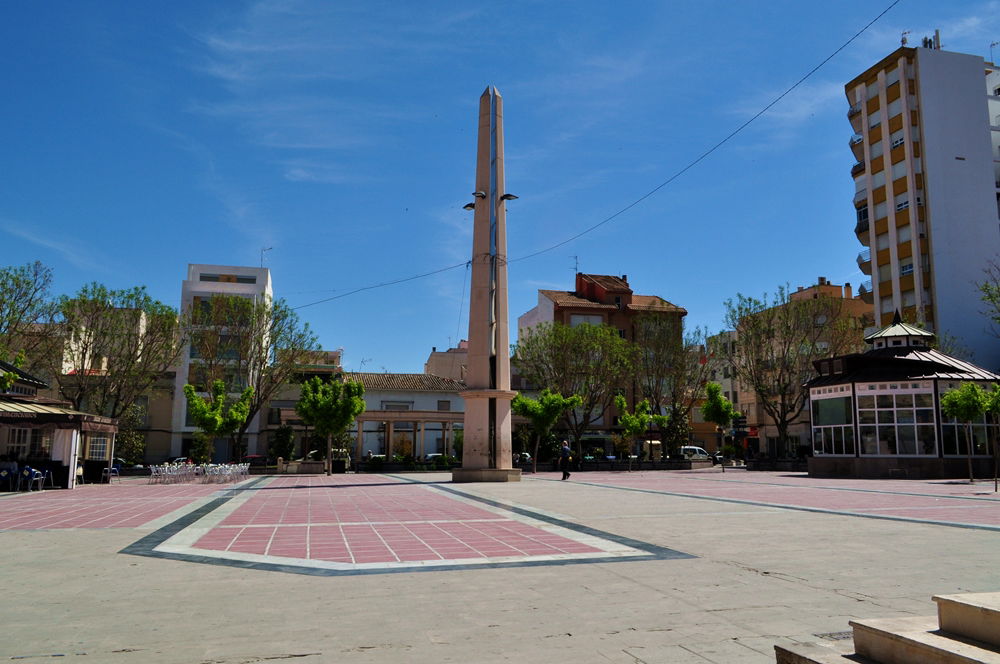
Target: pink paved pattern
(938, 500)
(347, 520)
(128, 505)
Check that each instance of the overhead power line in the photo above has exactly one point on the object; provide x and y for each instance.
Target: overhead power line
(694, 162)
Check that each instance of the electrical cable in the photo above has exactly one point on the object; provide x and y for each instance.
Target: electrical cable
(652, 191)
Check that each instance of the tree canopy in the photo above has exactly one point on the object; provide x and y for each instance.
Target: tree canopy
(330, 407)
(26, 309)
(247, 342)
(967, 403)
(543, 413)
(590, 361)
(216, 414)
(115, 344)
(778, 339)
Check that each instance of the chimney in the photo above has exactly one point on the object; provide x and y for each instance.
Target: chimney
(848, 294)
(625, 278)
(434, 349)
(822, 281)
(798, 289)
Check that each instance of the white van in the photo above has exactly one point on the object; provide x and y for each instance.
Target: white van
(694, 453)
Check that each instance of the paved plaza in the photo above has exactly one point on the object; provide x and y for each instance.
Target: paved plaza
(699, 566)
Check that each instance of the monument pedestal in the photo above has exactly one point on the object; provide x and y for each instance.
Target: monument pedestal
(476, 452)
(459, 475)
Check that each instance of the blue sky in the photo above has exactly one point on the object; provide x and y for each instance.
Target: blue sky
(140, 137)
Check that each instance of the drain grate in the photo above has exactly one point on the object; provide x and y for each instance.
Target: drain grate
(836, 636)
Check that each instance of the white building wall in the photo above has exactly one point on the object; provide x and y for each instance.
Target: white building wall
(964, 232)
(544, 312)
(193, 287)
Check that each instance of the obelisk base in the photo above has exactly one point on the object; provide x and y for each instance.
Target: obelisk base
(477, 465)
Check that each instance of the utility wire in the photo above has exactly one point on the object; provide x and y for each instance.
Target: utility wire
(649, 193)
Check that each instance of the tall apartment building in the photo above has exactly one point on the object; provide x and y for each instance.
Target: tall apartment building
(204, 281)
(927, 182)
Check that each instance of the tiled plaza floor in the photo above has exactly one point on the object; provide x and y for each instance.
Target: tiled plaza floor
(372, 519)
(129, 504)
(935, 501)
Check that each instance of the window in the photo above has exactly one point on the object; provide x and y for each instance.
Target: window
(895, 108)
(863, 213)
(896, 139)
(886, 305)
(208, 277)
(874, 120)
(17, 442)
(875, 150)
(884, 272)
(909, 298)
(579, 319)
(902, 202)
(882, 241)
(871, 90)
(880, 210)
(905, 268)
(246, 280)
(621, 333)
(899, 170)
(903, 234)
(892, 77)
(444, 404)
(97, 450)
(41, 443)
(878, 179)
(396, 405)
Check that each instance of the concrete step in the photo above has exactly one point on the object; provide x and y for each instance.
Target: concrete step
(815, 653)
(971, 615)
(916, 640)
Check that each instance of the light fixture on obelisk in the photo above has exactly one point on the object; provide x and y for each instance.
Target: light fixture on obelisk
(486, 450)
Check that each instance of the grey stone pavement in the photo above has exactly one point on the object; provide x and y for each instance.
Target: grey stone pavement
(758, 575)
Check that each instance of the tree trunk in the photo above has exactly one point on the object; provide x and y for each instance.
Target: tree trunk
(968, 439)
(534, 456)
(329, 454)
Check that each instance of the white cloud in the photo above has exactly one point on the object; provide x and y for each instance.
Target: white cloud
(76, 253)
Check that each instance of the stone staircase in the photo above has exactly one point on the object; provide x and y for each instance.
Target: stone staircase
(966, 631)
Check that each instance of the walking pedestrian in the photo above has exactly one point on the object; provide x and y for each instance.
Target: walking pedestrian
(564, 457)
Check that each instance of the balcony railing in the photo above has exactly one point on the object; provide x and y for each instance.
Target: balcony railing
(853, 110)
(865, 287)
(855, 139)
(860, 196)
(857, 168)
(864, 256)
(861, 227)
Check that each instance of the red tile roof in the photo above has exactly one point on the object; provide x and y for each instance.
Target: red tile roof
(569, 299)
(403, 382)
(653, 303)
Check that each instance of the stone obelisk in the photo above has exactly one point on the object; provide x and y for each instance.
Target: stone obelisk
(486, 450)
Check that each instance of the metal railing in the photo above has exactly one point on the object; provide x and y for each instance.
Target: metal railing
(861, 227)
(853, 110)
(864, 256)
(859, 167)
(855, 139)
(865, 287)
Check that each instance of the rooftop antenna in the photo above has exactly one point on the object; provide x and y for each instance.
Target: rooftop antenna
(902, 37)
(262, 250)
(996, 43)
(576, 264)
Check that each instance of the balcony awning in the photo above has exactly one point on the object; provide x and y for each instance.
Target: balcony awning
(31, 414)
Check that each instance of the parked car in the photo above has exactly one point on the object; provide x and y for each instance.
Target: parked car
(694, 453)
(717, 458)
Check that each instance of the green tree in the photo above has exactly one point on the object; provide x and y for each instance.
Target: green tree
(543, 413)
(717, 409)
(591, 361)
(258, 343)
(282, 443)
(26, 309)
(967, 404)
(130, 442)
(777, 340)
(216, 414)
(636, 423)
(330, 407)
(993, 412)
(672, 369)
(115, 345)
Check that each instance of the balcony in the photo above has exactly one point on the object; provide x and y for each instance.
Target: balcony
(857, 144)
(865, 291)
(855, 139)
(857, 168)
(865, 260)
(861, 195)
(853, 110)
(861, 227)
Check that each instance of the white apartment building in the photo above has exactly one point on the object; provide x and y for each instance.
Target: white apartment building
(927, 189)
(202, 282)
